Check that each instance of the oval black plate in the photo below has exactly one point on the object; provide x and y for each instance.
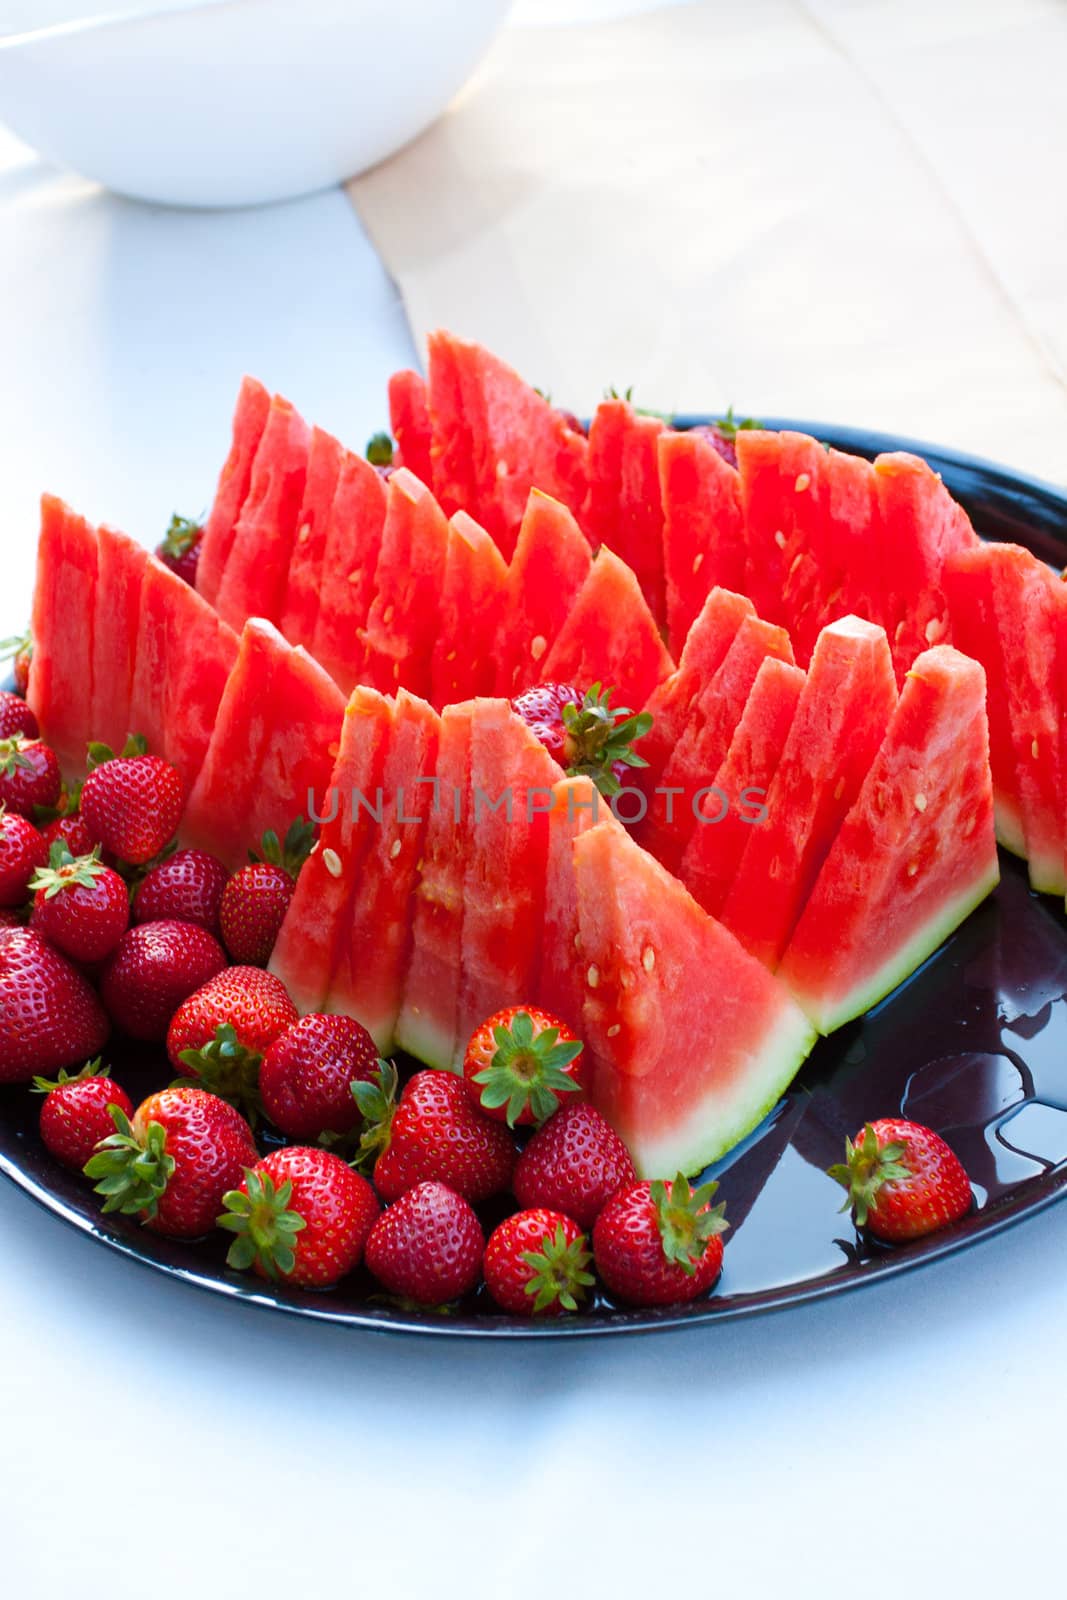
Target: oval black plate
(974, 1044)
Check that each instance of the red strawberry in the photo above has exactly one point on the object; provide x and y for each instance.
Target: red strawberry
(80, 904)
(131, 803)
(22, 852)
(21, 648)
(257, 897)
(153, 969)
(307, 1075)
(49, 1016)
(300, 1214)
(16, 717)
(11, 919)
(173, 1161)
(428, 1246)
(434, 1132)
(180, 548)
(71, 831)
(574, 1164)
(723, 433)
(520, 1064)
(655, 1245)
(902, 1180)
(187, 886)
(218, 1035)
(74, 1116)
(29, 775)
(536, 1262)
(586, 734)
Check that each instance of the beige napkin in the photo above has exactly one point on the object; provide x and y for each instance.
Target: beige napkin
(848, 210)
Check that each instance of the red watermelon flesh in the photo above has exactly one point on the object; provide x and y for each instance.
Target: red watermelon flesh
(551, 562)
(844, 710)
(706, 645)
(317, 925)
(624, 509)
(512, 788)
(257, 570)
(452, 446)
(116, 628)
(409, 418)
(716, 846)
(374, 948)
(249, 420)
(427, 1026)
(610, 637)
(64, 601)
(692, 1041)
(299, 612)
(714, 714)
(914, 856)
(350, 560)
(185, 653)
(402, 624)
(703, 528)
(471, 604)
(576, 806)
(852, 560)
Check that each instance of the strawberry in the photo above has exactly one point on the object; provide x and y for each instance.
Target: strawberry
(428, 1246)
(11, 919)
(173, 1161)
(902, 1180)
(49, 1015)
(536, 1262)
(300, 1214)
(16, 717)
(21, 649)
(574, 1164)
(307, 1075)
(219, 1033)
(586, 734)
(186, 886)
(29, 775)
(152, 970)
(74, 1115)
(70, 829)
(257, 897)
(180, 548)
(22, 852)
(655, 1245)
(132, 803)
(380, 452)
(520, 1064)
(723, 433)
(80, 904)
(433, 1132)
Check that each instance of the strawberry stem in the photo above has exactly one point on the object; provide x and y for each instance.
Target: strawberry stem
(866, 1167)
(377, 1106)
(526, 1071)
(227, 1068)
(264, 1226)
(181, 535)
(91, 1069)
(133, 1172)
(559, 1272)
(686, 1220)
(601, 736)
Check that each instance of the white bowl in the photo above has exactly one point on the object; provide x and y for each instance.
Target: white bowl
(236, 102)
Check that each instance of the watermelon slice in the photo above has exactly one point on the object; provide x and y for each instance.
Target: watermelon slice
(472, 600)
(610, 637)
(257, 570)
(717, 844)
(374, 949)
(512, 783)
(299, 611)
(914, 856)
(692, 1040)
(714, 714)
(311, 942)
(703, 528)
(576, 806)
(854, 546)
(409, 418)
(116, 628)
(64, 600)
(350, 560)
(624, 509)
(249, 420)
(427, 1026)
(551, 562)
(402, 624)
(844, 710)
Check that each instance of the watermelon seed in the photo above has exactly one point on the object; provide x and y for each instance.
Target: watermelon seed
(332, 862)
(592, 977)
(354, 577)
(698, 562)
(779, 539)
(648, 958)
(803, 482)
(920, 802)
(913, 867)
(538, 646)
(387, 615)
(394, 849)
(1033, 749)
(502, 469)
(840, 789)
(305, 533)
(577, 941)
(616, 1027)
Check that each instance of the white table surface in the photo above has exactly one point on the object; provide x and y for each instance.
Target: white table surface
(152, 1438)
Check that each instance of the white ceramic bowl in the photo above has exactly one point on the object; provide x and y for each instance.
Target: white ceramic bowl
(236, 102)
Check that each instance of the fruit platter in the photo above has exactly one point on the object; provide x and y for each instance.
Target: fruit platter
(534, 877)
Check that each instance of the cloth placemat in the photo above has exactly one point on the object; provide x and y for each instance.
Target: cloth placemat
(848, 210)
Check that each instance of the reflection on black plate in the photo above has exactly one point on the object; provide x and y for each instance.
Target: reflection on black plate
(975, 1044)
